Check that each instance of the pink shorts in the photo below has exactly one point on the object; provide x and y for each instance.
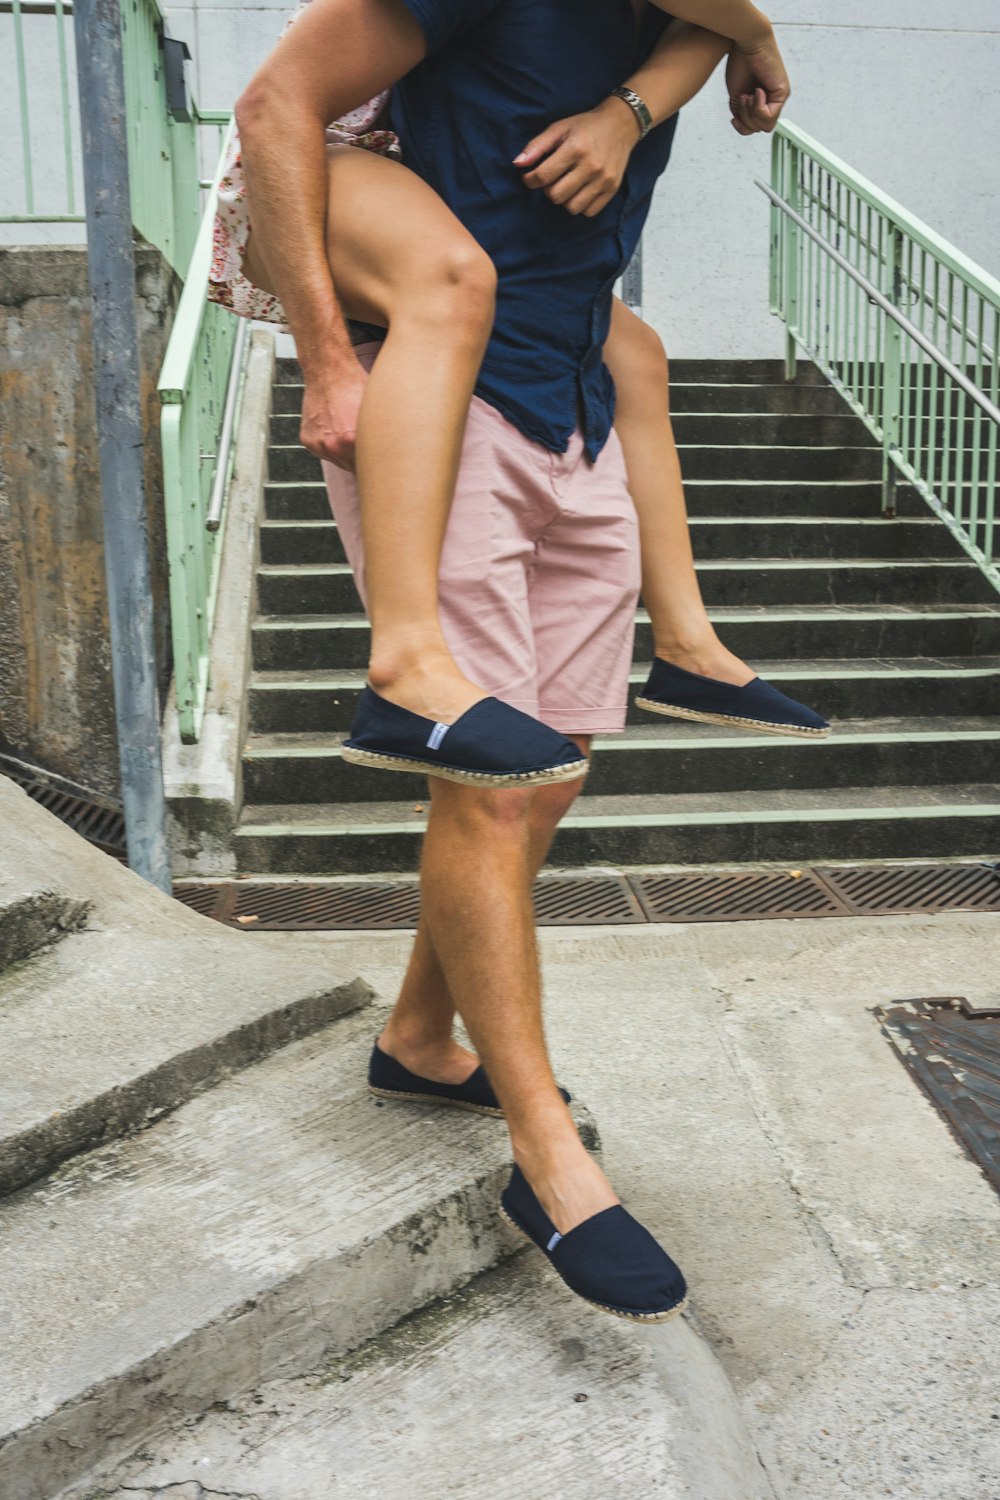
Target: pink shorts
(539, 574)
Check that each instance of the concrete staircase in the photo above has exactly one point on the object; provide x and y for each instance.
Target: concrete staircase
(197, 1194)
(884, 625)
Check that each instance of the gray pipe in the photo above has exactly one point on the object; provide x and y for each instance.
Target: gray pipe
(111, 268)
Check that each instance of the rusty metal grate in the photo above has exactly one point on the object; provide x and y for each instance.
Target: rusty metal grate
(585, 900)
(649, 896)
(914, 888)
(734, 896)
(954, 1054)
(97, 819)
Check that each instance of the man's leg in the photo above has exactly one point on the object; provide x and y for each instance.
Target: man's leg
(419, 1032)
(476, 881)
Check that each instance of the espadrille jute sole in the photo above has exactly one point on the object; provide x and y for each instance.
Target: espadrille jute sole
(568, 772)
(476, 1109)
(616, 1312)
(730, 720)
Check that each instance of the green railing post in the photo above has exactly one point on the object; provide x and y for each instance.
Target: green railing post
(847, 240)
(892, 377)
(793, 193)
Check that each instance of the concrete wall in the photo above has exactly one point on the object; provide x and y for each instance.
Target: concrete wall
(56, 704)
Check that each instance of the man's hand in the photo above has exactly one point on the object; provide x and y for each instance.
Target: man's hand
(580, 162)
(330, 407)
(758, 86)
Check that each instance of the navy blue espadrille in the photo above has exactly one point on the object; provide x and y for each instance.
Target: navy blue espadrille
(388, 1079)
(757, 705)
(490, 745)
(609, 1259)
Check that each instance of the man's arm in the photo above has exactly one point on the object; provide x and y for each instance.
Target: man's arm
(339, 54)
(581, 161)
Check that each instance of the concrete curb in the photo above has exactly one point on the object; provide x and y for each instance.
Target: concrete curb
(144, 1005)
(277, 1221)
(203, 782)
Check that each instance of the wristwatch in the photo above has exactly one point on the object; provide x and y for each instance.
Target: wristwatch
(638, 106)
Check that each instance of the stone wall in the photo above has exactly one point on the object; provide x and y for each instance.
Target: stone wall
(56, 699)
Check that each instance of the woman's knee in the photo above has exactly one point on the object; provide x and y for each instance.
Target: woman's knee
(455, 289)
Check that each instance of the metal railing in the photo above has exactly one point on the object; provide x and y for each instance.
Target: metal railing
(199, 388)
(904, 325)
(42, 182)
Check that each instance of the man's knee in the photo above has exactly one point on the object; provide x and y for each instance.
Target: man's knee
(502, 814)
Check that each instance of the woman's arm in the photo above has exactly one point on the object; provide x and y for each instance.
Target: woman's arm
(755, 75)
(580, 162)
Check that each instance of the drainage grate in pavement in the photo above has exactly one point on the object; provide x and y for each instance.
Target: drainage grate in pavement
(914, 888)
(583, 900)
(97, 819)
(649, 896)
(954, 1054)
(733, 896)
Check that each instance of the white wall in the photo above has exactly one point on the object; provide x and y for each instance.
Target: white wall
(900, 89)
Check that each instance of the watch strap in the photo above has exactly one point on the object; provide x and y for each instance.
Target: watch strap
(638, 106)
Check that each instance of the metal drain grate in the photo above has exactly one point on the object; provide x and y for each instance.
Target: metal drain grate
(294, 906)
(97, 819)
(582, 900)
(733, 896)
(585, 900)
(914, 888)
(955, 1057)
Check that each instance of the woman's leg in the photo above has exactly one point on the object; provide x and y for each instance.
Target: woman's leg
(682, 631)
(400, 259)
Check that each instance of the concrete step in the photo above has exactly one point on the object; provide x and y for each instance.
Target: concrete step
(33, 920)
(714, 538)
(700, 371)
(800, 825)
(685, 396)
(725, 429)
(145, 1007)
(325, 700)
(306, 500)
(322, 641)
(671, 755)
(698, 461)
(277, 1221)
(662, 1418)
(319, 588)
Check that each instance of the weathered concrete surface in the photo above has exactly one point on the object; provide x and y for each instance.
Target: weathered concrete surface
(280, 1218)
(842, 1249)
(139, 1010)
(505, 1390)
(203, 783)
(56, 704)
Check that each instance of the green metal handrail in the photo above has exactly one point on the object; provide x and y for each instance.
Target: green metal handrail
(164, 181)
(902, 323)
(198, 387)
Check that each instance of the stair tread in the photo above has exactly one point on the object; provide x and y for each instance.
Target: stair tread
(777, 564)
(976, 799)
(267, 1187)
(826, 667)
(678, 732)
(729, 614)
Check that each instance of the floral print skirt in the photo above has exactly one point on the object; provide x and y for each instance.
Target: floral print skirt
(227, 282)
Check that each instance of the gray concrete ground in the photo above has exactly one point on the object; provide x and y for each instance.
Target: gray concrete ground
(843, 1251)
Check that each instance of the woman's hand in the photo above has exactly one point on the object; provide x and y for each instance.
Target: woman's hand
(330, 406)
(758, 86)
(580, 162)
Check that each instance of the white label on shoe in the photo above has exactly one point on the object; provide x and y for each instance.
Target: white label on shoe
(553, 1242)
(437, 735)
